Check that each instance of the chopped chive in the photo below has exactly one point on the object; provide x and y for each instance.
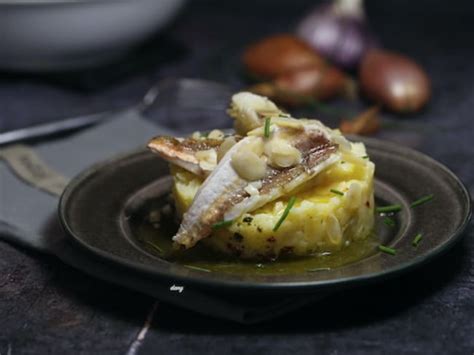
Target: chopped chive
(422, 200)
(266, 132)
(389, 222)
(197, 268)
(291, 202)
(387, 209)
(318, 269)
(417, 239)
(154, 246)
(222, 224)
(387, 250)
(365, 157)
(337, 192)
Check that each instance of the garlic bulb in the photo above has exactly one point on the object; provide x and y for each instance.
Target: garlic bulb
(338, 31)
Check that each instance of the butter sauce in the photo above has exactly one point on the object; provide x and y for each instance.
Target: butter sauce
(156, 240)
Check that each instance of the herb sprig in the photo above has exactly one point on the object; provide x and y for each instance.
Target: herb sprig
(222, 224)
(289, 206)
(337, 192)
(422, 200)
(266, 131)
(387, 250)
(388, 209)
(417, 239)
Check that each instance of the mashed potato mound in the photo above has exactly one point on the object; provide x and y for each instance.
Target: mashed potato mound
(320, 221)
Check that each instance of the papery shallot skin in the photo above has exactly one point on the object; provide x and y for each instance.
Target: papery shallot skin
(394, 80)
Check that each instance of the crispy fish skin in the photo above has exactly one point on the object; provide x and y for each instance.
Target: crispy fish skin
(280, 182)
(182, 151)
(223, 196)
(212, 199)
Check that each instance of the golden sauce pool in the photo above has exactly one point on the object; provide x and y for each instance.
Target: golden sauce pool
(156, 239)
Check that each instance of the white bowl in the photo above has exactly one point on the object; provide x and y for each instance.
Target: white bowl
(50, 35)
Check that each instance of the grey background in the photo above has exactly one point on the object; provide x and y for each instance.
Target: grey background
(47, 307)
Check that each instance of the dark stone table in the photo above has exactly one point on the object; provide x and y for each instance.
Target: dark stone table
(48, 307)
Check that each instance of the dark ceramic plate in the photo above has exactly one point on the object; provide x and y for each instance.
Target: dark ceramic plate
(99, 207)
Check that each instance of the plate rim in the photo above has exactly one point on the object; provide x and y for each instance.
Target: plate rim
(278, 285)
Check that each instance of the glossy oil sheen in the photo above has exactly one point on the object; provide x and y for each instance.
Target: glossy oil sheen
(156, 240)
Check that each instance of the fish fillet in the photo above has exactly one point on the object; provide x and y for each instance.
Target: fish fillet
(182, 151)
(223, 196)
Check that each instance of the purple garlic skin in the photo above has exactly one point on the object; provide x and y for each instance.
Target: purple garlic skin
(343, 38)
